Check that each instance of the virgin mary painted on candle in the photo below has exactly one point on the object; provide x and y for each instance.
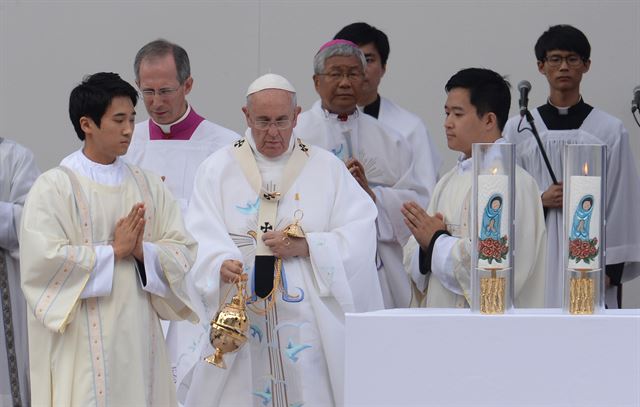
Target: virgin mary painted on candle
(581, 247)
(492, 247)
(491, 218)
(582, 218)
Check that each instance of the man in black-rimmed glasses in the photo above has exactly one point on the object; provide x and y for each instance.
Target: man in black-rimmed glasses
(563, 56)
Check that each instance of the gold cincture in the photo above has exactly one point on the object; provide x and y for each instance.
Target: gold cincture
(492, 292)
(229, 327)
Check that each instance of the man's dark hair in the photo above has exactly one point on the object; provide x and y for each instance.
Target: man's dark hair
(159, 48)
(563, 37)
(488, 91)
(363, 34)
(93, 97)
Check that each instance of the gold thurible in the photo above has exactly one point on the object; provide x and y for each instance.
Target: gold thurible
(492, 293)
(229, 327)
(582, 291)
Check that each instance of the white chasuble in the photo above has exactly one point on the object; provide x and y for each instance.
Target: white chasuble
(452, 198)
(18, 171)
(391, 174)
(623, 189)
(294, 354)
(106, 350)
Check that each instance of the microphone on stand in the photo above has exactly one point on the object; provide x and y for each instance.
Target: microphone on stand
(524, 87)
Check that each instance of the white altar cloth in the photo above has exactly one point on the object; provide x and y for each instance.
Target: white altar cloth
(452, 357)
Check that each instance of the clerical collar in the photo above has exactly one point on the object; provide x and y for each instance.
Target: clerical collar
(343, 117)
(373, 109)
(181, 129)
(166, 128)
(564, 118)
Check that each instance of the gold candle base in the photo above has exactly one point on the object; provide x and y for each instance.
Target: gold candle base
(582, 291)
(492, 291)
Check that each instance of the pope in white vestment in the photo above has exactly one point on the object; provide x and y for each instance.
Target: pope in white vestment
(18, 171)
(582, 124)
(295, 352)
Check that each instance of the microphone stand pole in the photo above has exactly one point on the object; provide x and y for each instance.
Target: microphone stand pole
(529, 117)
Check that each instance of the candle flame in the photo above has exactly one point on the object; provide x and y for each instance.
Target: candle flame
(494, 171)
(585, 169)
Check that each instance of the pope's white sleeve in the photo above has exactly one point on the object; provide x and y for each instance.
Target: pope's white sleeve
(101, 277)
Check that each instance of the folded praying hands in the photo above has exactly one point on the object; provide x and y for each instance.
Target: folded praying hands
(128, 234)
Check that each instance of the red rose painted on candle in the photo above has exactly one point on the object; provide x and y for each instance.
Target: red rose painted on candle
(493, 250)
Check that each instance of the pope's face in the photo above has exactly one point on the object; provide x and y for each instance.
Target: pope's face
(111, 139)
(271, 117)
(340, 85)
(163, 96)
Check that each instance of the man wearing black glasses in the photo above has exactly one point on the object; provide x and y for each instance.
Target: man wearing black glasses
(563, 57)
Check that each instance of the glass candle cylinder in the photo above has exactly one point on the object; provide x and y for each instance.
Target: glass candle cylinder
(584, 220)
(493, 208)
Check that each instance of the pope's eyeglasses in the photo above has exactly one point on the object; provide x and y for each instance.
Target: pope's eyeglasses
(266, 124)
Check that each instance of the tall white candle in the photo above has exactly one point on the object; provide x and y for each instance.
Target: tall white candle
(493, 215)
(584, 213)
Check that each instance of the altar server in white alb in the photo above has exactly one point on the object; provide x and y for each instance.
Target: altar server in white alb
(375, 45)
(103, 256)
(562, 54)
(175, 139)
(18, 171)
(379, 159)
(245, 196)
(476, 110)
